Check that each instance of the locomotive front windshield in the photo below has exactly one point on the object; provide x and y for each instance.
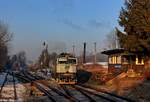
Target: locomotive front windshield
(69, 61)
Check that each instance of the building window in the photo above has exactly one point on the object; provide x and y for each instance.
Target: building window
(110, 60)
(115, 60)
(118, 59)
(139, 60)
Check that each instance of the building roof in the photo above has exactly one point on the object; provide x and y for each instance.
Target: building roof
(113, 51)
(66, 55)
(121, 51)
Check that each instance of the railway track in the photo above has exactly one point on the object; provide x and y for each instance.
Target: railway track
(104, 95)
(28, 77)
(73, 93)
(56, 90)
(82, 96)
(35, 77)
(14, 86)
(5, 80)
(110, 94)
(78, 95)
(53, 94)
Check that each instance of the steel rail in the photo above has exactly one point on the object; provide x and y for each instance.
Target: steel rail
(5, 80)
(111, 94)
(85, 94)
(14, 85)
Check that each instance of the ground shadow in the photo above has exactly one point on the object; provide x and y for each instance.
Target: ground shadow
(83, 76)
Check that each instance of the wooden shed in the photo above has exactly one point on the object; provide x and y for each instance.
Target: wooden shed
(120, 60)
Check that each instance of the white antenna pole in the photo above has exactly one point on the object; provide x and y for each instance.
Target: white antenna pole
(95, 52)
(73, 50)
(116, 39)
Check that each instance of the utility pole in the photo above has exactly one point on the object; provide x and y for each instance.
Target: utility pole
(117, 41)
(95, 52)
(73, 50)
(44, 56)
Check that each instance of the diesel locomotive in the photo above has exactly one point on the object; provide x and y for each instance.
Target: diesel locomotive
(66, 69)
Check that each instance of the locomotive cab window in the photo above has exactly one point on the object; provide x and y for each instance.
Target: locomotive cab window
(72, 61)
(67, 61)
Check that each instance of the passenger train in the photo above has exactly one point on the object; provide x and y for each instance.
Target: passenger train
(66, 69)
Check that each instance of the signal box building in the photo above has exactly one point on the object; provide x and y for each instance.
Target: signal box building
(120, 60)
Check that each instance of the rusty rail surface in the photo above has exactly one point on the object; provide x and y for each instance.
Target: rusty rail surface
(71, 95)
(50, 96)
(14, 85)
(106, 95)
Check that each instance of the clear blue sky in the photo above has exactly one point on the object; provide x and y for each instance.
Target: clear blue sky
(61, 23)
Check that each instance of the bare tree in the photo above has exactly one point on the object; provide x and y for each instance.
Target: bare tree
(18, 61)
(53, 57)
(22, 58)
(44, 58)
(5, 37)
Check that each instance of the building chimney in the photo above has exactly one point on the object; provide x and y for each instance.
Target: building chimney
(84, 53)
